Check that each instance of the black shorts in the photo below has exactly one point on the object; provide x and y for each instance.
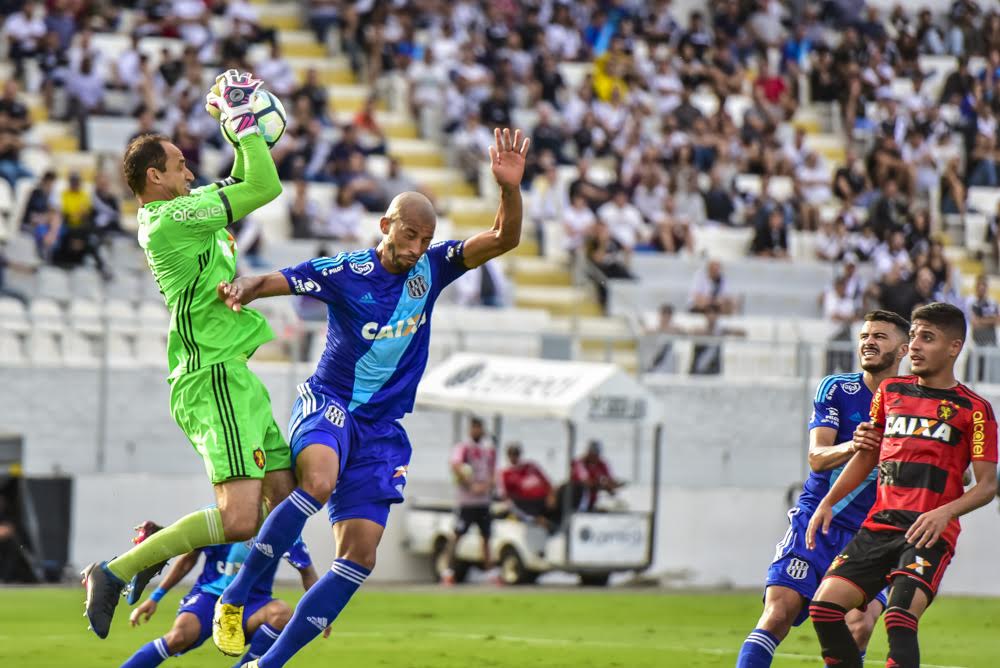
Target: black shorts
(469, 515)
(874, 558)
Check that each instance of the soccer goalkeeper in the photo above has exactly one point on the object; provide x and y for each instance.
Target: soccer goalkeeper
(221, 406)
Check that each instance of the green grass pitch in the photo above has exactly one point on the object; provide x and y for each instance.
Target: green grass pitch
(491, 628)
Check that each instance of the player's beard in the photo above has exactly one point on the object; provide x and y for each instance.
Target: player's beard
(879, 364)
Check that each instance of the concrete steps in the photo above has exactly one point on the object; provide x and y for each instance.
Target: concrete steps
(417, 153)
(557, 300)
(537, 271)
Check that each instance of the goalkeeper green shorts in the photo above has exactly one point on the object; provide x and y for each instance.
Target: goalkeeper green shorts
(225, 411)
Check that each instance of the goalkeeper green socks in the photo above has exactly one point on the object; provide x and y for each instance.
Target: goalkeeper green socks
(198, 529)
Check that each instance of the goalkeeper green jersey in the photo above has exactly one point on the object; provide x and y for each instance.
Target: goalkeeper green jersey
(189, 252)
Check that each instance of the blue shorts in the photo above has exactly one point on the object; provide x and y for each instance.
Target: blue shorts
(374, 456)
(797, 567)
(201, 604)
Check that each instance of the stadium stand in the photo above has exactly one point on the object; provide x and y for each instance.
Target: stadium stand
(710, 117)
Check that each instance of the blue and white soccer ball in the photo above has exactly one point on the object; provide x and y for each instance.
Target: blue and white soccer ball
(271, 118)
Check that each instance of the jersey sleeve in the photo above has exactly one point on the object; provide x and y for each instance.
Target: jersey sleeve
(984, 434)
(316, 278)
(877, 413)
(447, 262)
(298, 555)
(458, 454)
(826, 412)
(199, 214)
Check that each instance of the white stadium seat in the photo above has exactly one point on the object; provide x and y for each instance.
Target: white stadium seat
(10, 348)
(46, 315)
(13, 315)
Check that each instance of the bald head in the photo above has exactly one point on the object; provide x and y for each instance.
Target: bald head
(411, 208)
(407, 231)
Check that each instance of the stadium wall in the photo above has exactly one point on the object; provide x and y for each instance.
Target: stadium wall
(726, 445)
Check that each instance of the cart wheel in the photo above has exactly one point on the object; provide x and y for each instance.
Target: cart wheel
(512, 570)
(594, 579)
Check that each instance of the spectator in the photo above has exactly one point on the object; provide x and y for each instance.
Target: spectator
(105, 217)
(673, 233)
(473, 464)
(608, 256)
(706, 356)
(623, 220)
(529, 491)
(470, 143)
(577, 221)
(25, 30)
(984, 319)
(851, 182)
(41, 215)
(315, 93)
(13, 125)
(662, 359)
(893, 254)
(345, 218)
(548, 196)
(75, 203)
(772, 239)
(888, 212)
(812, 186)
(711, 290)
(484, 285)
(85, 88)
(719, 203)
(899, 296)
(918, 233)
(303, 212)
(592, 473)
(277, 72)
(832, 241)
(838, 306)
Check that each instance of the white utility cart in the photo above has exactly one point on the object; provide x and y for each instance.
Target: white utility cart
(592, 544)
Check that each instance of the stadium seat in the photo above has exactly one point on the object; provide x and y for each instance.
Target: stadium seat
(85, 282)
(79, 349)
(120, 350)
(747, 359)
(121, 316)
(983, 200)
(53, 283)
(151, 349)
(85, 316)
(43, 348)
(153, 316)
(13, 316)
(46, 315)
(10, 348)
(974, 232)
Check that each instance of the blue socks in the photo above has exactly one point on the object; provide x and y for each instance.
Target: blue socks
(149, 655)
(259, 643)
(758, 650)
(317, 610)
(276, 535)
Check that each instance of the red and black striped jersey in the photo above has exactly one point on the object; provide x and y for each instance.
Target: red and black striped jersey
(930, 437)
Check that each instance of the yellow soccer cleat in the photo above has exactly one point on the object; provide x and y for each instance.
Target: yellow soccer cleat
(227, 629)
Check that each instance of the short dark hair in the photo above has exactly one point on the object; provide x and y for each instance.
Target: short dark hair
(880, 315)
(475, 421)
(143, 152)
(946, 317)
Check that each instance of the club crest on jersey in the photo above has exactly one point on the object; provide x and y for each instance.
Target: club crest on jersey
(259, 459)
(417, 287)
(362, 268)
(372, 331)
(335, 415)
(838, 561)
(946, 410)
(934, 430)
(851, 388)
(797, 569)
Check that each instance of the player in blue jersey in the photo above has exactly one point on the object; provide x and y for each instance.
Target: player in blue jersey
(842, 402)
(266, 615)
(347, 443)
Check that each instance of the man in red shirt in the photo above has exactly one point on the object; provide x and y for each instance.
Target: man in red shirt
(593, 474)
(925, 429)
(527, 488)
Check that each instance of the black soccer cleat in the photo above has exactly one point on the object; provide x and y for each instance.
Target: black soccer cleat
(142, 578)
(103, 592)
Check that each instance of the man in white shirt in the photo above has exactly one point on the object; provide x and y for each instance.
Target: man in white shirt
(893, 254)
(25, 30)
(812, 184)
(277, 72)
(623, 220)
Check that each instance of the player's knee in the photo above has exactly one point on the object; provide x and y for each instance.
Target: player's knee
(778, 617)
(861, 630)
(178, 640)
(362, 556)
(240, 524)
(317, 484)
(278, 614)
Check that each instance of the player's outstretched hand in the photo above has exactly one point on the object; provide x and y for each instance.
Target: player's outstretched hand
(231, 99)
(142, 613)
(867, 437)
(928, 527)
(820, 522)
(507, 157)
(232, 294)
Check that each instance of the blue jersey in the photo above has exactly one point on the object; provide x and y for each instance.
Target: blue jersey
(222, 562)
(378, 325)
(842, 402)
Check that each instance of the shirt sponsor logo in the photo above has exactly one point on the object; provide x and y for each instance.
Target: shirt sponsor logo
(185, 215)
(904, 425)
(417, 287)
(831, 392)
(851, 388)
(307, 285)
(832, 416)
(978, 434)
(362, 268)
(333, 270)
(372, 331)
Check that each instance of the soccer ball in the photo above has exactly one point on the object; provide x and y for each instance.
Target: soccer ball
(270, 115)
(464, 474)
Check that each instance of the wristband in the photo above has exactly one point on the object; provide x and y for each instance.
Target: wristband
(157, 594)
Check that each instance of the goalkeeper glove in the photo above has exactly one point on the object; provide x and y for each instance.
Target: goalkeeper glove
(231, 102)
